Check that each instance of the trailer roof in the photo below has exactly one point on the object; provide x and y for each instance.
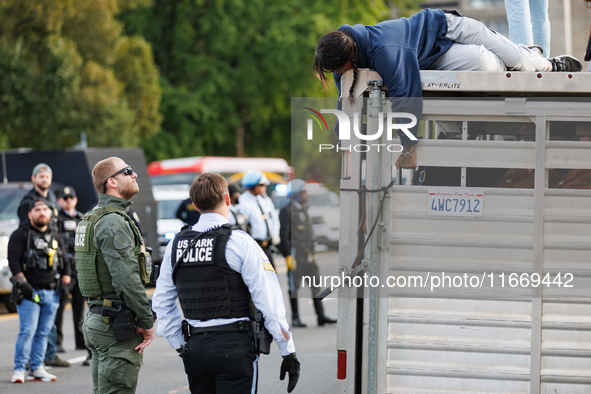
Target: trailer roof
(482, 83)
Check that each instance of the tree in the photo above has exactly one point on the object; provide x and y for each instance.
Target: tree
(66, 68)
(229, 69)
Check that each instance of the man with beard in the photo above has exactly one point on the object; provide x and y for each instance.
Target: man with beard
(41, 178)
(112, 268)
(36, 256)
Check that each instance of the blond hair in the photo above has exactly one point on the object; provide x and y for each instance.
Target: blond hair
(103, 171)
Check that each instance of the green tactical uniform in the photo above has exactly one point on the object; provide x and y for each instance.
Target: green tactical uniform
(110, 271)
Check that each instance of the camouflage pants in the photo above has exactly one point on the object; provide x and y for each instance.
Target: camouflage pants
(115, 365)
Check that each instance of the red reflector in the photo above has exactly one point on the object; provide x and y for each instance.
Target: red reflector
(342, 364)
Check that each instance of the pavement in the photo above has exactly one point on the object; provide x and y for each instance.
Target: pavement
(162, 370)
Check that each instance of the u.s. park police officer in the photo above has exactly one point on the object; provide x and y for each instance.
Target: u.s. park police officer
(218, 273)
(297, 246)
(112, 269)
(39, 265)
(261, 216)
(235, 216)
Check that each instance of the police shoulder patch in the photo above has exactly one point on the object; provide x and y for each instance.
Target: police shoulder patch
(121, 241)
(266, 263)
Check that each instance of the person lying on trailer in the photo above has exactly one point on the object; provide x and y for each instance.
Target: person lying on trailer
(430, 40)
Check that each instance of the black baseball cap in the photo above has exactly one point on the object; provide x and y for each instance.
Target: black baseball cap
(37, 201)
(67, 191)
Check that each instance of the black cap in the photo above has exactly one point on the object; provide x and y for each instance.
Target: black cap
(67, 191)
(35, 202)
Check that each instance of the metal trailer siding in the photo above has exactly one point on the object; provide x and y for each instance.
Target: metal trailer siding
(525, 340)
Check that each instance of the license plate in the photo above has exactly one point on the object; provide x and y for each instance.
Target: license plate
(451, 201)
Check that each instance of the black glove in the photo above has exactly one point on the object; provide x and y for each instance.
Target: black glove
(26, 290)
(292, 365)
(64, 292)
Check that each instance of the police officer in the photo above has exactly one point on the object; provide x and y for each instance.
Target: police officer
(39, 263)
(297, 245)
(112, 268)
(215, 271)
(68, 219)
(261, 215)
(41, 178)
(187, 212)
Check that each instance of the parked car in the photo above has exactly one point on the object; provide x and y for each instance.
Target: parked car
(168, 199)
(11, 194)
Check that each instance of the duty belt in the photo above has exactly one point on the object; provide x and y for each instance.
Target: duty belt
(98, 309)
(45, 286)
(242, 325)
(113, 311)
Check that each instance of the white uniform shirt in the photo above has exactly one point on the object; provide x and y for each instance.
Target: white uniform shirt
(250, 206)
(231, 218)
(273, 214)
(244, 256)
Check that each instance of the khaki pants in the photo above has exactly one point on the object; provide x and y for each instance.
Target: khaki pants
(115, 365)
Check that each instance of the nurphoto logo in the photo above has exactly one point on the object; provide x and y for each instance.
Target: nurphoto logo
(345, 129)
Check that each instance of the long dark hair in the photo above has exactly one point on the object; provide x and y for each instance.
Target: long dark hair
(333, 51)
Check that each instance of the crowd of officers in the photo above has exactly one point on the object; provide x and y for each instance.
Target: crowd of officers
(228, 289)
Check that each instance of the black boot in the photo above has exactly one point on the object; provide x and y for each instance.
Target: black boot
(322, 319)
(295, 316)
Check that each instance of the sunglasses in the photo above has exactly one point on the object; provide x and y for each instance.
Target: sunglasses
(68, 198)
(128, 171)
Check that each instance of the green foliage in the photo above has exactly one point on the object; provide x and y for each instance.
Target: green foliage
(178, 77)
(230, 67)
(66, 68)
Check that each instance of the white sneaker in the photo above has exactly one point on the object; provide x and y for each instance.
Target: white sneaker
(18, 376)
(41, 375)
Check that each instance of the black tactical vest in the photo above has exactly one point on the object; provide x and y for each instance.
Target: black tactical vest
(67, 229)
(207, 287)
(43, 252)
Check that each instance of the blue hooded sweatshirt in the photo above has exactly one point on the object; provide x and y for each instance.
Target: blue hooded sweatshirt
(397, 50)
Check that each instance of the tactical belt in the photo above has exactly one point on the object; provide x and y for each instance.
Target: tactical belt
(98, 309)
(45, 286)
(242, 325)
(100, 299)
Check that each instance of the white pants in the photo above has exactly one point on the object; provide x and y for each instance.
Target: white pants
(477, 48)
